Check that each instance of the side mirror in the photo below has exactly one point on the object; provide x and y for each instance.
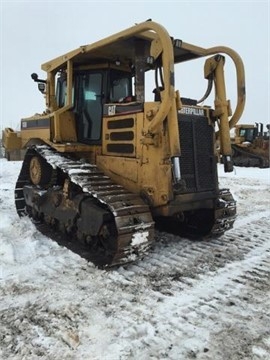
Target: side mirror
(42, 87)
(41, 83)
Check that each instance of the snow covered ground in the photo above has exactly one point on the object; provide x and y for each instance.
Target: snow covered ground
(185, 300)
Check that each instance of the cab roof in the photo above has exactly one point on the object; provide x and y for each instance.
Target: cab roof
(122, 46)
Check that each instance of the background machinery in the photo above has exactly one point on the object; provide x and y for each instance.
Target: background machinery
(250, 145)
(103, 165)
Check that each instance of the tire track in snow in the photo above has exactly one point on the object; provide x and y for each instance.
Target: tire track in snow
(182, 294)
(179, 258)
(206, 308)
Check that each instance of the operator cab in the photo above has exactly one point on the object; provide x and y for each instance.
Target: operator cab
(249, 134)
(92, 89)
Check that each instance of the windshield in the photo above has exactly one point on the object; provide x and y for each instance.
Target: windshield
(248, 134)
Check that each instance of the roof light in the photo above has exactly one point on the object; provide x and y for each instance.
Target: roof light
(150, 60)
(177, 43)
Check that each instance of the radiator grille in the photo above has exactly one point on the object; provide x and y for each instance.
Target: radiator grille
(197, 154)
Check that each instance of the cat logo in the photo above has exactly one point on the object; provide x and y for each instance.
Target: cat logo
(192, 111)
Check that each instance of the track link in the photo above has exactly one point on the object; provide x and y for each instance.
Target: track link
(225, 213)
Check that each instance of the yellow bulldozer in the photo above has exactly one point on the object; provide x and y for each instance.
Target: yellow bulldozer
(250, 145)
(103, 167)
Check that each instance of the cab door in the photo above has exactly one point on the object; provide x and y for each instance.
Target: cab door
(89, 107)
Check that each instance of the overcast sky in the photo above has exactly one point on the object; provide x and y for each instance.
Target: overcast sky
(33, 32)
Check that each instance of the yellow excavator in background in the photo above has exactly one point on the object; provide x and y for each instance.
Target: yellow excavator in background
(103, 166)
(250, 145)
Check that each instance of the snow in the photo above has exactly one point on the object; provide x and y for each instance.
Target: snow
(139, 238)
(185, 300)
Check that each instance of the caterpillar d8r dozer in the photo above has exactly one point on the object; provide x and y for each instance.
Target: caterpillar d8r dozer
(111, 165)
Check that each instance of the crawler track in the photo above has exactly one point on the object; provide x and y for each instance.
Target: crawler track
(131, 216)
(244, 158)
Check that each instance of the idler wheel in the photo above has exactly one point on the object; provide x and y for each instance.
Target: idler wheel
(40, 172)
(35, 170)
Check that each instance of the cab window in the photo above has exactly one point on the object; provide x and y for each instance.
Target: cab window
(61, 91)
(120, 85)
